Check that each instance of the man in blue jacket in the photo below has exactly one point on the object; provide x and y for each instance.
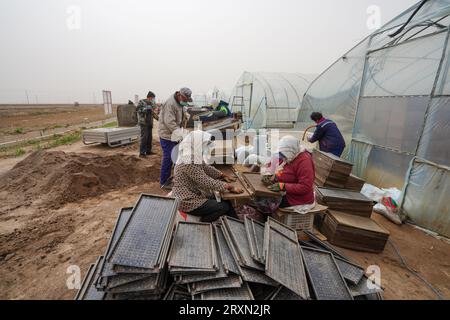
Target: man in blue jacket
(327, 133)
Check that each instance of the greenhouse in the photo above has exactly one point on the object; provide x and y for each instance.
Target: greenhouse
(268, 99)
(390, 96)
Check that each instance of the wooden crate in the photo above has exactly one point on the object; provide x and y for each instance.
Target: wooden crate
(347, 201)
(354, 232)
(354, 183)
(331, 171)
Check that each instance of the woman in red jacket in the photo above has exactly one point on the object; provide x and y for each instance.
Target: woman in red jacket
(295, 174)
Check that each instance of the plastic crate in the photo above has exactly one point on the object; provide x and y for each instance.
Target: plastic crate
(296, 221)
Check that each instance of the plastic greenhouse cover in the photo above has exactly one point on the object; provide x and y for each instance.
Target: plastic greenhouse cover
(432, 9)
(393, 122)
(435, 143)
(281, 89)
(426, 199)
(255, 112)
(282, 92)
(380, 40)
(407, 69)
(358, 155)
(443, 85)
(386, 168)
(335, 92)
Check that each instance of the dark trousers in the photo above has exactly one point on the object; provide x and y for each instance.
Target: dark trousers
(146, 140)
(166, 165)
(284, 203)
(336, 151)
(212, 210)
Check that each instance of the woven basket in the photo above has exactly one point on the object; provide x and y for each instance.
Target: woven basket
(296, 221)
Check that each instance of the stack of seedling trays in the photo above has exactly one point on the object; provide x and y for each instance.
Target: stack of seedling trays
(88, 290)
(134, 266)
(331, 171)
(321, 260)
(195, 262)
(347, 201)
(226, 260)
(246, 260)
(353, 232)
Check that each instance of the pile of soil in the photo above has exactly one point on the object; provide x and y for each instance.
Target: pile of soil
(50, 179)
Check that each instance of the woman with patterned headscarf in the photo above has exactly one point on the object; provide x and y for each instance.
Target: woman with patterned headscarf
(193, 178)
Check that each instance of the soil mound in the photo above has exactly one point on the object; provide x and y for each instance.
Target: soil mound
(52, 178)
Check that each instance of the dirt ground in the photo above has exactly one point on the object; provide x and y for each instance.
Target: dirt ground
(425, 254)
(27, 119)
(39, 241)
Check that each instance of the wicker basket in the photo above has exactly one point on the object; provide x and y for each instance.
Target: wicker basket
(296, 221)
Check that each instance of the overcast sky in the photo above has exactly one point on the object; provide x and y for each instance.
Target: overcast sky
(65, 51)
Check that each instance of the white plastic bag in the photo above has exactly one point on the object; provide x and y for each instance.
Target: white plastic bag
(387, 201)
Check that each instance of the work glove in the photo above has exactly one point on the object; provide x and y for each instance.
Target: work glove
(277, 187)
(268, 180)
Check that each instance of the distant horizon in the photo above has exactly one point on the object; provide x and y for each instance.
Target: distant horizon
(66, 51)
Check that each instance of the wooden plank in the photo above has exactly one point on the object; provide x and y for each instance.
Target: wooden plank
(237, 196)
(226, 195)
(257, 187)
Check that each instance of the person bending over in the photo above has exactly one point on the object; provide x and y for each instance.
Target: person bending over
(328, 134)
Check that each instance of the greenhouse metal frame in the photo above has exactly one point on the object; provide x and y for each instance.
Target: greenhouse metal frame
(390, 95)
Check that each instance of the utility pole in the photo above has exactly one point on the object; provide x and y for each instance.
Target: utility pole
(28, 98)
